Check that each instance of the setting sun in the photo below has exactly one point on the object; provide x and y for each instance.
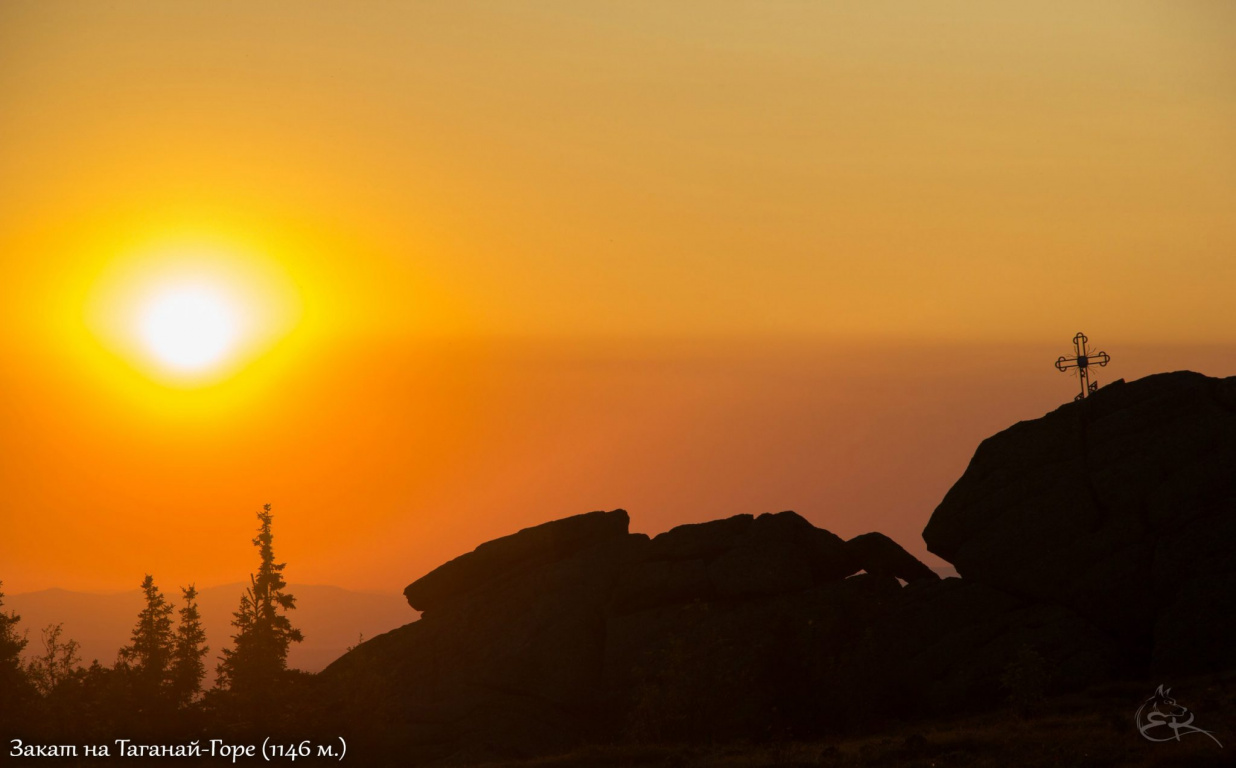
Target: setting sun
(189, 327)
(186, 312)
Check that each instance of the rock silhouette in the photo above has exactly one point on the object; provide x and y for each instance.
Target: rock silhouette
(1121, 507)
(878, 554)
(1092, 543)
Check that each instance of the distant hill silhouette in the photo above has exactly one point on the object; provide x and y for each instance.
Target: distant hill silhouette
(1094, 543)
(332, 618)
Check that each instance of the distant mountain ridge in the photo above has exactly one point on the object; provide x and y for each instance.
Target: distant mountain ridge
(331, 618)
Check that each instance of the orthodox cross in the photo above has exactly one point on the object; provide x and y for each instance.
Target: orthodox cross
(1082, 362)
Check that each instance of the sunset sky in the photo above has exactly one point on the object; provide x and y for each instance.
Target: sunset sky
(477, 266)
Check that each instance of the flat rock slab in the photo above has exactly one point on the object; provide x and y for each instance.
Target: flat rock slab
(502, 558)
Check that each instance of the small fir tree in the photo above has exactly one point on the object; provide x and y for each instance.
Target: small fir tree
(14, 686)
(11, 643)
(148, 657)
(258, 661)
(189, 651)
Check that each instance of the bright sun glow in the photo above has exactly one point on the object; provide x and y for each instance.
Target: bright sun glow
(189, 328)
(192, 313)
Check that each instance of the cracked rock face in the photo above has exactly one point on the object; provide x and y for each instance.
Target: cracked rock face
(1121, 507)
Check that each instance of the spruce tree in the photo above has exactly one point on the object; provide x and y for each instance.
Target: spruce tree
(188, 667)
(258, 661)
(149, 655)
(11, 644)
(14, 687)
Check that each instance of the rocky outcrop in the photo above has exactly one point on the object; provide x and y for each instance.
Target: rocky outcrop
(511, 555)
(576, 630)
(1121, 507)
(735, 558)
(877, 553)
(1092, 542)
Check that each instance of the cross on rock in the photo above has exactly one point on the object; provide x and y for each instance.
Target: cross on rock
(1082, 362)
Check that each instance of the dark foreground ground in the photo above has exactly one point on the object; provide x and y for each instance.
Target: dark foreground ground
(1092, 729)
(1096, 728)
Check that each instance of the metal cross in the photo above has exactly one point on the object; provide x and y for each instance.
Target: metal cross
(1082, 362)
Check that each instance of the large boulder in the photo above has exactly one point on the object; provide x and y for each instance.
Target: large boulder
(661, 582)
(876, 553)
(1120, 507)
(700, 541)
(510, 667)
(738, 557)
(502, 558)
(577, 630)
(779, 553)
(840, 655)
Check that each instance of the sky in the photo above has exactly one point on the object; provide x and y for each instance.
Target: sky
(491, 264)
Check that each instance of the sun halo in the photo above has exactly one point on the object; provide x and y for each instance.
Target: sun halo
(189, 328)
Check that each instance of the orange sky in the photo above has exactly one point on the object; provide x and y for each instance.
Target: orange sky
(509, 262)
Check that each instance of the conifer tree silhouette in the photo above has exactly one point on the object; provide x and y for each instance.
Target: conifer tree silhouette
(14, 687)
(149, 655)
(258, 661)
(11, 645)
(189, 649)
